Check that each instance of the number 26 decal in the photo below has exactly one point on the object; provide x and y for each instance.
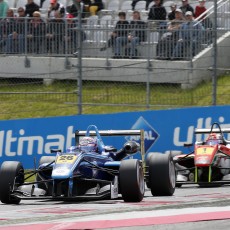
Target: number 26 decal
(66, 159)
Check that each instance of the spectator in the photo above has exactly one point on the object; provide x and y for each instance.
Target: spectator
(70, 42)
(36, 32)
(186, 7)
(137, 33)
(206, 22)
(200, 9)
(3, 8)
(55, 32)
(16, 40)
(169, 39)
(157, 11)
(189, 37)
(21, 12)
(10, 13)
(7, 25)
(72, 9)
(31, 7)
(119, 36)
(175, 24)
(93, 6)
(171, 15)
(55, 6)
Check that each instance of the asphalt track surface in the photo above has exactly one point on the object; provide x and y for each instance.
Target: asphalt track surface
(190, 207)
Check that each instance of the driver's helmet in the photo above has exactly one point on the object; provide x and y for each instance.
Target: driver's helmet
(88, 144)
(72, 149)
(215, 138)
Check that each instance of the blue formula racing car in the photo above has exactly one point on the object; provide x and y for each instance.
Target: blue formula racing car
(88, 170)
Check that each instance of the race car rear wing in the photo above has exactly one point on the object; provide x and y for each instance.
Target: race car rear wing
(110, 133)
(99, 133)
(216, 130)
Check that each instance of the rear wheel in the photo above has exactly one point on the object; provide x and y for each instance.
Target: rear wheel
(147, 169)
(131, 178)
(11, 177)
(162, 174)
(175, 153)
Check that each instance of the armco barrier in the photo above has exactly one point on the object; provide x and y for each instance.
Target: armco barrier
(27, 140)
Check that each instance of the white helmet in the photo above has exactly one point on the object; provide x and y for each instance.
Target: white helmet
(88, 144)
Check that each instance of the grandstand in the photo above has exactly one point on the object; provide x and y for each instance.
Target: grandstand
(146, 67)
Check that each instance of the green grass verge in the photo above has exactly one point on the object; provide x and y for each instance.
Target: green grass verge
(60, 98)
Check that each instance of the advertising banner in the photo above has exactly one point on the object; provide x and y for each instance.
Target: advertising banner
(26, 140)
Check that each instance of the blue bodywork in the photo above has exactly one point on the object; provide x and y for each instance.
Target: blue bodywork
(88, 170)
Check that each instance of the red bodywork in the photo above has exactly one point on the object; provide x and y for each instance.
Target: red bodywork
(224, 149)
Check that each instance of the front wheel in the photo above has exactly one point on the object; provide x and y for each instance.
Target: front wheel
(131, 178)
(11, 177)
(162, 174)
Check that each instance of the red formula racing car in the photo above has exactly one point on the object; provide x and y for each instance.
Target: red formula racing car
(209, 163)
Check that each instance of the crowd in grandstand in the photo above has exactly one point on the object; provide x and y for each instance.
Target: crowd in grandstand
(27, 28)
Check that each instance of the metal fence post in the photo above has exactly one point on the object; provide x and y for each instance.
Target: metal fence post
(108, 63)
(214, 72)
(27, 61)
(79, 82)
(148, 73)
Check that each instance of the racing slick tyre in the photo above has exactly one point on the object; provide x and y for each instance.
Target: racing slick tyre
(11, 177)
(45, 186)
(175, 153)
(147, 169)
(162, 174)
(47, 159)
(131, 178)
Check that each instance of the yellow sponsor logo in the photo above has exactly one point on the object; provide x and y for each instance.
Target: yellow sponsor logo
(66, 159)
(204, 150)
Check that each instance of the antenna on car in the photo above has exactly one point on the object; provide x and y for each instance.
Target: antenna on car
(35, 165)
(76, 138)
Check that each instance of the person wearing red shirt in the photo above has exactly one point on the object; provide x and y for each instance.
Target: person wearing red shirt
(200, 9)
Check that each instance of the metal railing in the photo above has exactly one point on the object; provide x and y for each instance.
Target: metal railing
(62, 39)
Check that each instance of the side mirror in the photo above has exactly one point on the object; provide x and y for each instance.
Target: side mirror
(55, 150)
(199, 143)
(131, 147)
(188, 144)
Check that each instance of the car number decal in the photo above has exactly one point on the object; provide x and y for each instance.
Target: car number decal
(66, 159)
(204, 150)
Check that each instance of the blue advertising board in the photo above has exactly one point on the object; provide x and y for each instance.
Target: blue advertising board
(28, 139)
